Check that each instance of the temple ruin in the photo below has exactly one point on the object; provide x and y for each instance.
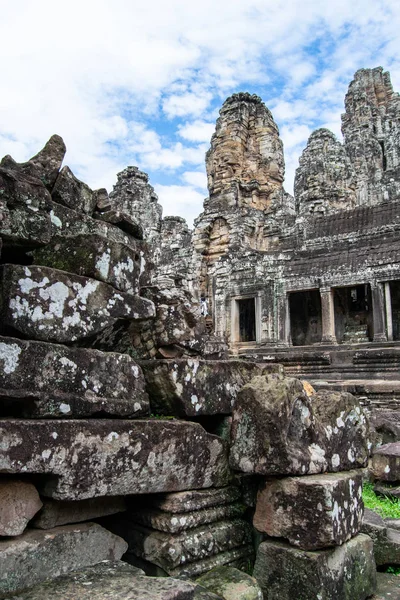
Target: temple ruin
(154, 448)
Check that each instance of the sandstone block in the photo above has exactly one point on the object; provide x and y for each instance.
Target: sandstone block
(278, 430)
(346, 572)
(388, 587)
(39, 555)
(89, 458)
(311, 512)
(178, 522)
(49, 380)
(72, 192)
(21, 226)
(190, 500)
(386, 462)
(93, 256)
(239, 558)
(171, 551)
(123, 220)
(386, 540)
(19, 502)
(58, 512)
(47, 304)
(231, 584)
(46, 164)
(116, 581)
(192, 387)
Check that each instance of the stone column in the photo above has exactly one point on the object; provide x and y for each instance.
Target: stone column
(378, 313)
(284, 336)
(328, 316)
(389, 316)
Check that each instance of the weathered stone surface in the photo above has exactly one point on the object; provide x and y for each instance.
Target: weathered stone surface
(171, 551)
(192, 387)
(386, 462)
(278, 429)
(58, 512)
(386, 424)
(72, 192)
(178, 522)
(85, 459)
(371, 128)
(46, 164)
(50, 380)
(346, 572)
(19, 502)
(48, 304)
(240, 558)
(246, 152)
(188, 501)
(382, 489)
(231, 584)
(134, 197)
(312, 512)
(93, 256)
(21, 226)
(114, 581)
(388, 587)
(325, 180)
(39, 555)
(122, 220)
(386, 540)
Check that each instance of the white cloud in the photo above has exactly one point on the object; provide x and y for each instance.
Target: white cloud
(180, 200)
(197, 179)
(197, 131)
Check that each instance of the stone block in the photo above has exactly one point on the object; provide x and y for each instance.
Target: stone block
(231, 584)
(286, 573)
(114, 581)
(122, 220)
(99, 457)
(19, 502)
(192, 387)
(64, 512)
(48, 304)
(36, 555)
(49, 380)
(72, 192)
(178, 522)
(22, 226)
(278, 430)
(240, 558)
(386, 462)
(312, 512)
(386, 539)
(190, 500)
(384, 489)
(388, 587)
(170, 551)
(93, 256)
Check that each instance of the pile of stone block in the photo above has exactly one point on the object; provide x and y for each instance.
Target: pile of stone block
(310, 450)
(186, 534)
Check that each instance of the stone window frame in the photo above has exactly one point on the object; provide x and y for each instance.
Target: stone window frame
(234, 314)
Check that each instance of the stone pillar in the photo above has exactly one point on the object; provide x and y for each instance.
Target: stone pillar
(284, 335)
(389, 316)
(328, 316)
(378, 313)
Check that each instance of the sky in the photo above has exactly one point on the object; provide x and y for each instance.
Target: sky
(141, 83)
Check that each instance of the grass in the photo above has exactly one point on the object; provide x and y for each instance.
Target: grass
(383, 505)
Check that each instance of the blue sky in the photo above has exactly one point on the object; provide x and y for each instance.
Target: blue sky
(135, 83)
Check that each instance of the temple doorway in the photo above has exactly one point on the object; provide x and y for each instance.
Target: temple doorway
(247, 319)
(305, 317)
(353, 314)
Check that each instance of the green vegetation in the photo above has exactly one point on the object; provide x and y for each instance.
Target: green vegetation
(383, 505)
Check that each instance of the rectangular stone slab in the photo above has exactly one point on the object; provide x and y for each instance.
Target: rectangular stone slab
(178, 522)
(38, 555)
(192, 387)
(386, 462)
(50, 380)
(113, 581)
(51, 305)
(189, 500)
(240, 558)
(100, 457)
(169, 551)
(19, 502)
(93, 256)
(311, 512)
(286, 573)
(63, 512)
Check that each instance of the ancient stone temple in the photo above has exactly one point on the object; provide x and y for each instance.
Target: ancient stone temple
(152, 441)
